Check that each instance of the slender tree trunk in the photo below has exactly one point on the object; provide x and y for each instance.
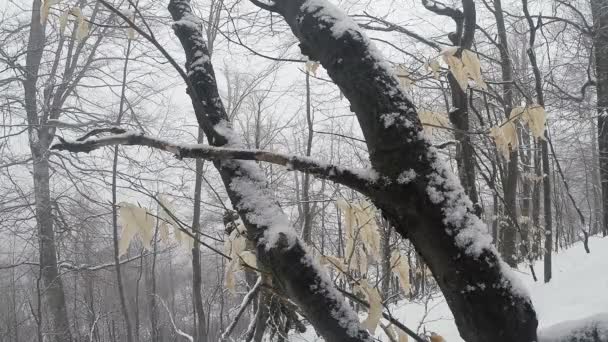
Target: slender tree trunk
(526, 200)
(599, 11)
(39, 140)
(459, 115)
(153, 314)
(543, 143)
(508, 229)
(385, 245)
(201, 326)
(538, 232)
(119, 280)
(306, 210)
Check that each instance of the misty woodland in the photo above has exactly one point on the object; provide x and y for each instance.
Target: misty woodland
(304, 170)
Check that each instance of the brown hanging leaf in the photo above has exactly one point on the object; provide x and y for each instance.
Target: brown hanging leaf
(400, 267)
(505, 138)
(82, 29)
(45, 8)
(230, 276)
(335, 263)
(369, 232)
(434, 67)
(165, 215)
(535, 117)
(404, 77)
(430, 120)
(131, 30)
(63, 21)
(436, 338)
(465, 67)
(312, 66)
(517, 113)
(134, 220)
(247, 259)
(402, 335)
(234, 246)
(374, 312)
(473, 68)
(456, 66)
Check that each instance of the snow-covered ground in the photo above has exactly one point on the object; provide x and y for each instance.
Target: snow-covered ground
(579, 289)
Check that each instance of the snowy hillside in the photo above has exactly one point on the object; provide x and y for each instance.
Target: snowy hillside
(579, 289)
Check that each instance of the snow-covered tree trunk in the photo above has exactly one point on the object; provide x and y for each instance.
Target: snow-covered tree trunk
(431, 209)
(278, 248)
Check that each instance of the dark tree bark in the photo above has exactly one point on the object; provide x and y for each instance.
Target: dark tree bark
(197, 279)
(306, 207)
(412, 209)
(385, 263)
(599, 11)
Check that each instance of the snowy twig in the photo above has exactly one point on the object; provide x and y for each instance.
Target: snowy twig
(246, 301)
(360, 180)
(177, 330)
(71, 267)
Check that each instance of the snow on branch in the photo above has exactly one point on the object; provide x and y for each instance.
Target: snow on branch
(358, 179)
(246, 301)
(67, 265)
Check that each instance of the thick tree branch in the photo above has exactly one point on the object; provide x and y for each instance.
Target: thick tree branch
(361, 180)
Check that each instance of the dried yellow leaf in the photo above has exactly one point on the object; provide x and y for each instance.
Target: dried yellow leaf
(516, 113)
(436, 338)
(131, 30)
(402, 335)
(400, 267)
(82, 29)
(165, 215)
(505, 138)
(434, 67)
(369, 232)
(134, 220)
(63, 21)
(464, 67)
(335, 262)
(312, 66)
(404, 77)
(374, 312)
(430, 120)
(473, 67)
(230, 276)
(535, 117)
(45, 8)
(248, 259)
(235, 244)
